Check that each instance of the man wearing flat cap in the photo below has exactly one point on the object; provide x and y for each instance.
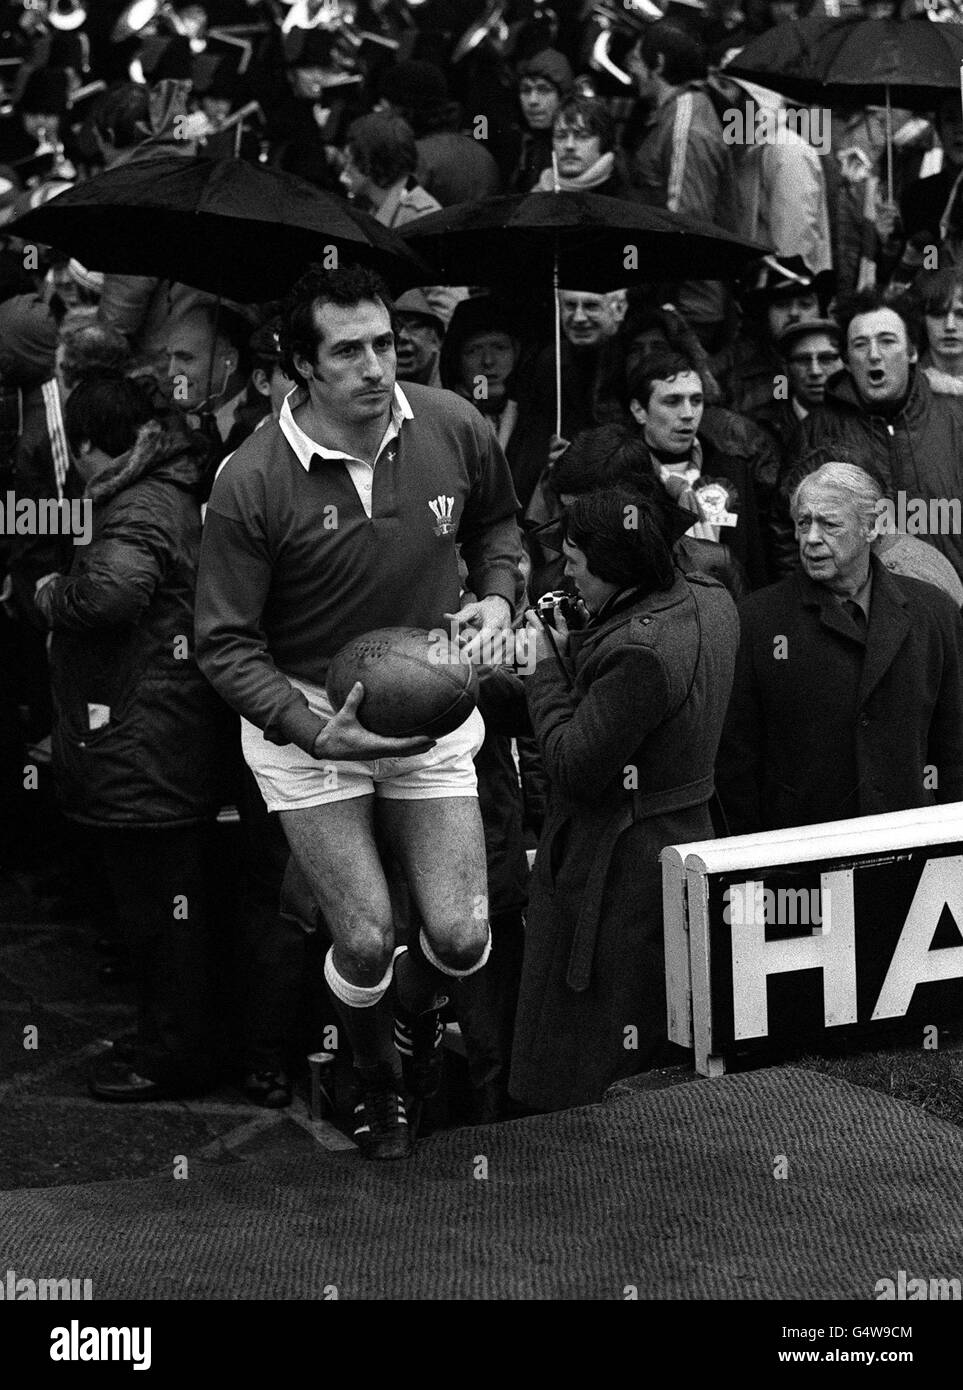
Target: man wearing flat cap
(777, 292)
(419, 334)
(811, 353)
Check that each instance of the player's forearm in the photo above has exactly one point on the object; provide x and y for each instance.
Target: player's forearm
(492, 560)
(231, 648)
(243, 674)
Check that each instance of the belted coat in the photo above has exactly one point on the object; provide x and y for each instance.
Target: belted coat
(629, 753)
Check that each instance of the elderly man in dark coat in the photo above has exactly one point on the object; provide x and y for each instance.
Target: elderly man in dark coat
(848, 699)
(628, 731)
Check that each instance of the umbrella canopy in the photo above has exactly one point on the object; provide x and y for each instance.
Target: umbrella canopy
(236, 229)
(784, 57)
(598, 243)
(909, 63)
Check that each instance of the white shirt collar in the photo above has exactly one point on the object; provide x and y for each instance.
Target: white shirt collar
(307, 448)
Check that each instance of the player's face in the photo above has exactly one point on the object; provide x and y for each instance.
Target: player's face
(352, 376)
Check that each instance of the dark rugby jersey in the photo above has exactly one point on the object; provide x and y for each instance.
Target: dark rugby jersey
(292, 567)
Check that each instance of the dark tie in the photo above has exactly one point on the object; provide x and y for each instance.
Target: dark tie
(856, 613)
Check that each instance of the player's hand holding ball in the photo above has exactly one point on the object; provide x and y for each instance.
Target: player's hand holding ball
(345, 739)
(396, 691)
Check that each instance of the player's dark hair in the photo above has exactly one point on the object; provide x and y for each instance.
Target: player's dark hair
(658, 366)
(622, 535)
(106, 411)
(346, 287)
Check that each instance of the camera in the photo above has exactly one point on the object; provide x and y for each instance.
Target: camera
(558, 601)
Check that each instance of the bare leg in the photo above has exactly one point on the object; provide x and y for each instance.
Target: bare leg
(441, 845)
(334, 846)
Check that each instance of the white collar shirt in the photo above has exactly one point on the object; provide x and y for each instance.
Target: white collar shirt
(360, 472)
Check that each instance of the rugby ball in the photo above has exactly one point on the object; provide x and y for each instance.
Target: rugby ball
(414, 682)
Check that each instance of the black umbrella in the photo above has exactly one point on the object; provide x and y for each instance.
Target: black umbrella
(236, 229)
(785, 57)
(579, 241)
(519, 243)
(910, 63)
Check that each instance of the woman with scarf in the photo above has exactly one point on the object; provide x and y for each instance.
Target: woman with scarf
(628, 713)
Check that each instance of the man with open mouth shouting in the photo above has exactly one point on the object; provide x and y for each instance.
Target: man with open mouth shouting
(883, 414)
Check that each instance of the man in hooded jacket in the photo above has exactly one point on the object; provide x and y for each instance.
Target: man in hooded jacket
(139, 735)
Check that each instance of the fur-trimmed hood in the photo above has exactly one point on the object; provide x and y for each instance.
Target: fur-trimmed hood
(161, 445)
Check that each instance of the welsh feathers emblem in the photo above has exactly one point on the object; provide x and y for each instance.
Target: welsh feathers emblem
(442, 508)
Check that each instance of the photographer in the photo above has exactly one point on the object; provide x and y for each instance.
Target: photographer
(628, 717)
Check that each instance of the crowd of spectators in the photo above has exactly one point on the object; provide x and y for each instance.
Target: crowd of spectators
(782, 417)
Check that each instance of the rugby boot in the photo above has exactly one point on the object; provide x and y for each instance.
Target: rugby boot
(381, 1121)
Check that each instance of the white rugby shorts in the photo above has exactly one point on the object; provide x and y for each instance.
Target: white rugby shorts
(292, 780)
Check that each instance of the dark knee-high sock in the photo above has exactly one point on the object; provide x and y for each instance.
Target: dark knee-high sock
(370, 1033)
(418, 983)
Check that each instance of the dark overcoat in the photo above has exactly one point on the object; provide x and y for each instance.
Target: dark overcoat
(827, 721)
(629, 755)
(140, 738)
